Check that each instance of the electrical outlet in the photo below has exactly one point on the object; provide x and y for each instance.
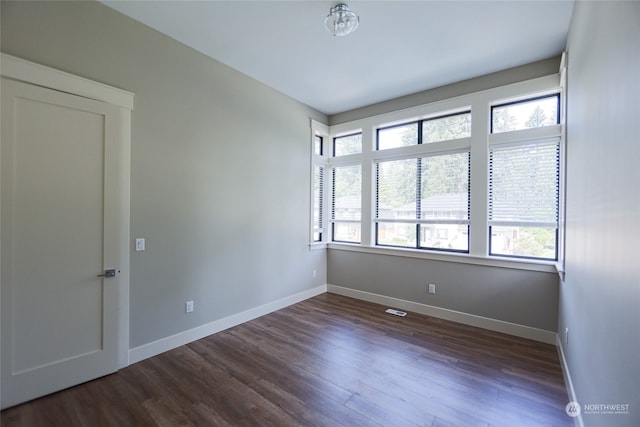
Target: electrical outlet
(432, 288)
(566, 336)
(140, 245)
(314, 274)
(188, 307)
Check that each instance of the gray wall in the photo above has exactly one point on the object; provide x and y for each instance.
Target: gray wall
(209, 145)
(220, 166)
(527, 298)
(600, 298)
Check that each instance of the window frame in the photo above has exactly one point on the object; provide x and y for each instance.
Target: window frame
(318, 130)
(341, 136)
(529, 136)
(541, 142)
(333, 220)
(479, 103)
(419, 222)
(333, 162)
(317, 205)
(417, 151)
(499, 104)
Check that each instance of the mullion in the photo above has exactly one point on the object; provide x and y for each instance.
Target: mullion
(419, 187)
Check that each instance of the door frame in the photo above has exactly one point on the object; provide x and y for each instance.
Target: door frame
(29, 72)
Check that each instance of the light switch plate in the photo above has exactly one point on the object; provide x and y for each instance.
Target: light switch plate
(139, 245)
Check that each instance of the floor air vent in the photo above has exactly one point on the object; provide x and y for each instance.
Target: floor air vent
(396, 312)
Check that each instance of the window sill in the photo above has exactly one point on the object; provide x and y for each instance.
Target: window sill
(560, 269)
(317, 246)
(518, 264)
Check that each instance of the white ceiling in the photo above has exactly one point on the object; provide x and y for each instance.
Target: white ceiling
(401, 47)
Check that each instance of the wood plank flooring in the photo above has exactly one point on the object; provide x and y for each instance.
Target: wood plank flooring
(327, 361)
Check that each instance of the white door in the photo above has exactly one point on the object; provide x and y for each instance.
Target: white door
(60, 229)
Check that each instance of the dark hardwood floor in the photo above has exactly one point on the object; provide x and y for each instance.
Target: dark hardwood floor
(327, 361)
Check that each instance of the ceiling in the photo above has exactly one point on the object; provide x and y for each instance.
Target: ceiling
(400, 47)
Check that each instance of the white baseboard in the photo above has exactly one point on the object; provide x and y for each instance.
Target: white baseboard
(536, 334)
(567, 379)
(165, 344)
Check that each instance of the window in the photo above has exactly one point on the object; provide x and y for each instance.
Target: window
(397, 201)
(346, 185)
(348, 144)
(318, 183)
(476, 178)
(318, 195)
(527, 114)
(453, 126)
(524, 176)
(398, 136)
(422, 200)
(423, 203)
(442, 128)
(346, 203)
(317, 145)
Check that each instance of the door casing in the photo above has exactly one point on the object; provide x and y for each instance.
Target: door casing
(35, 74)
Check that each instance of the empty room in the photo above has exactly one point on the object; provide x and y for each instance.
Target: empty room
(312, 213)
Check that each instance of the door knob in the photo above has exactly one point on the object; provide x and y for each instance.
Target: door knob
(108, 273)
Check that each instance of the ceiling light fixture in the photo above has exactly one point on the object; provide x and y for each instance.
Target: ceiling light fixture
(341, 20)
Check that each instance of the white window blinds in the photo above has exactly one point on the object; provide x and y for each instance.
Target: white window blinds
(524, 183)
(424, 202)
(318, 197)
(346, 209)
